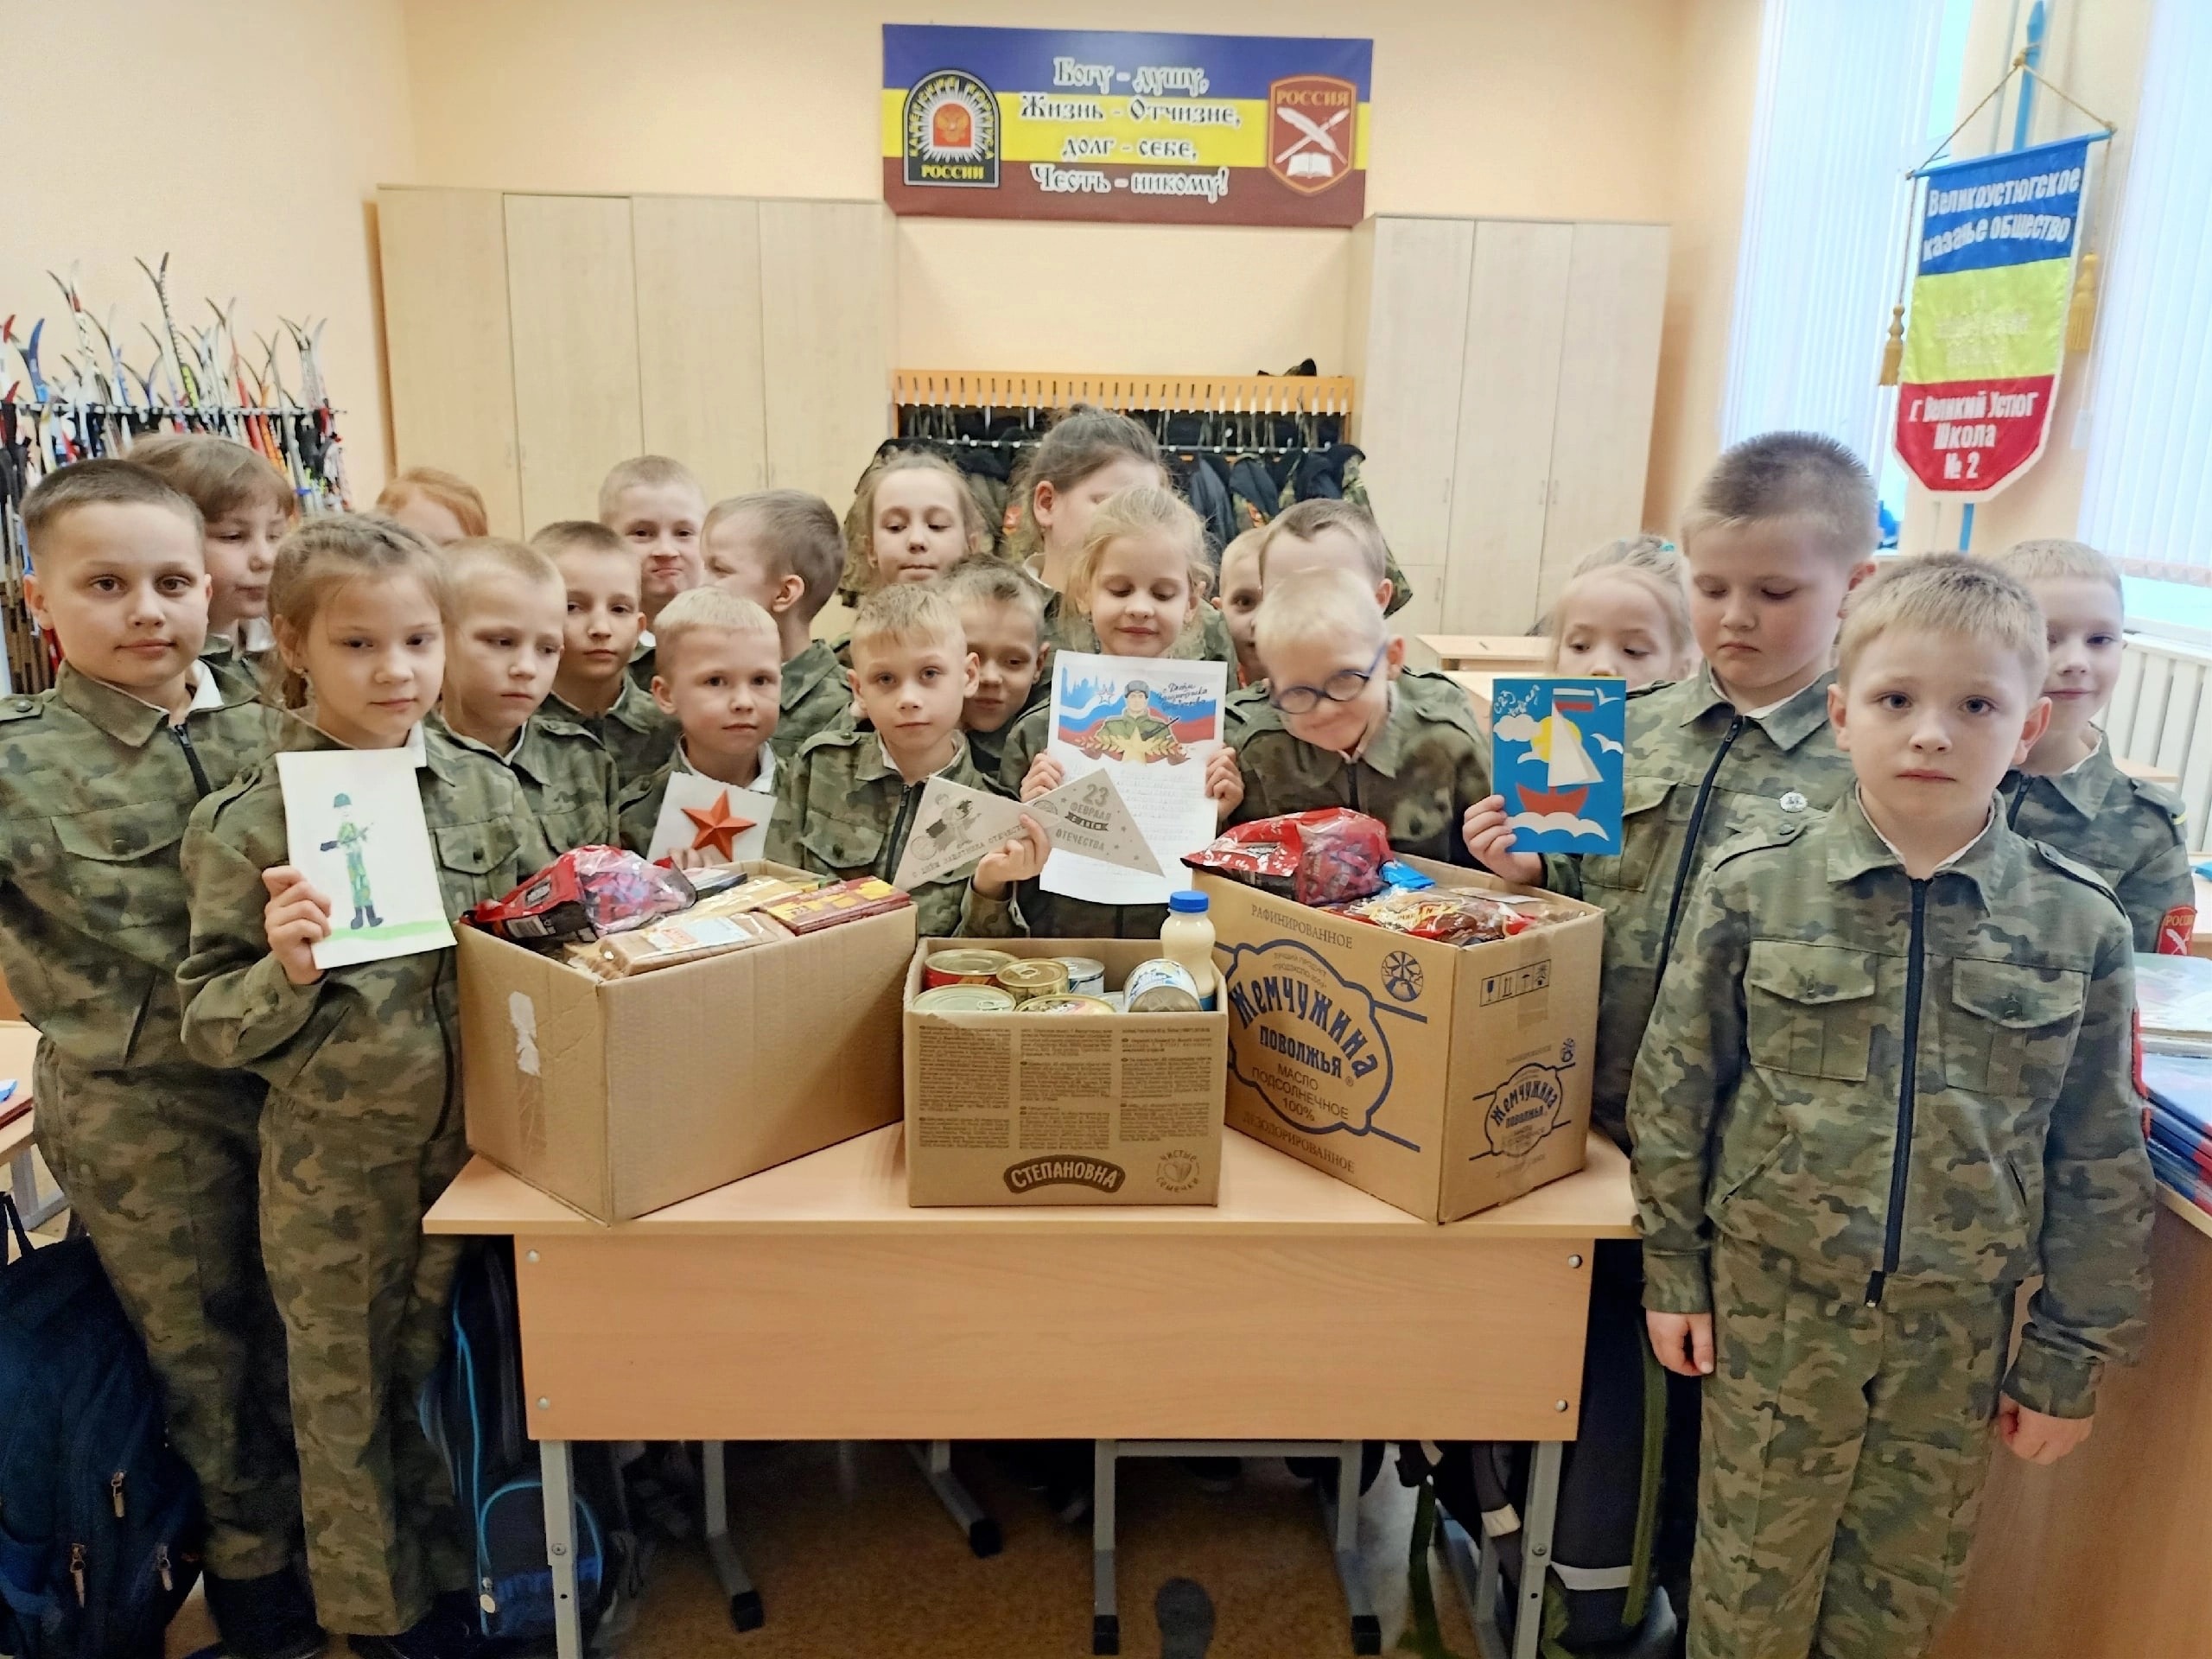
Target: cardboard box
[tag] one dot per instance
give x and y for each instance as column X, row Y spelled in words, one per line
column 1023, row 1108
column 1443, row 1079
column 620, row 1097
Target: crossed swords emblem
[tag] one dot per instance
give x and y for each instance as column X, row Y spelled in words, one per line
column 1314, row 134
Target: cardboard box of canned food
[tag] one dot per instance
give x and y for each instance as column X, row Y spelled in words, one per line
column 1079, row 1106
column 619, row 1097
column 1442, row 1078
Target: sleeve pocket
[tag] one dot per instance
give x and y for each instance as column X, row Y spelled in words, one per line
column 1809, row 1009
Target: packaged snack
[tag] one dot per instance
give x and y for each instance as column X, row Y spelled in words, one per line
column 583, row 894
column 1449, row 915
column 756, row 892
column 1326, row 856
column 845, row 901
column 688, row 938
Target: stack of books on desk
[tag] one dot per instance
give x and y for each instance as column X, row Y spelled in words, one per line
column 2177, row 1122
column 2174, row 997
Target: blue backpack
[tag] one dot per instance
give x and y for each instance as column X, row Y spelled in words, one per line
column 472, row 1408
column 99, row 1518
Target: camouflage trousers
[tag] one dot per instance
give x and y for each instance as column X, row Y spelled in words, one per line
column 343, row 1185
column 159, row 1163
column 1845, row 1448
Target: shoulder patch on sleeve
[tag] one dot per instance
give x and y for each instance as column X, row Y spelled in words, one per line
column 20, row 707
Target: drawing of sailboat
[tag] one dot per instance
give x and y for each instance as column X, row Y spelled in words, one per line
column 1568, row 770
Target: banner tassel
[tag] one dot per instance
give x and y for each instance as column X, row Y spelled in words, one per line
column 1893, row 353
column 2081, row 313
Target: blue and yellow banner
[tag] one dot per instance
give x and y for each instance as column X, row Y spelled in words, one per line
column 1987, row 336
column 1179, row 129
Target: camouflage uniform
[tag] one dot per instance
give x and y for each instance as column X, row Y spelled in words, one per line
column 2125, row 829
column 1870, row 1107
column 1699, row 772
column 633, row 731
column 644, row 661
column 1420, row 774
column 362, row 1130
column 816, row 694
column 989, row 748
column 156, row 1152
column 564, row 774
column 842, row 810
column 642, row 801
column 238, row 673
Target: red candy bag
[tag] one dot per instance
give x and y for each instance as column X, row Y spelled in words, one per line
column 582, row 895
column 1326, row 856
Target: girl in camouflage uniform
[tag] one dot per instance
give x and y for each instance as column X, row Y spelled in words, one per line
column 363, row 1127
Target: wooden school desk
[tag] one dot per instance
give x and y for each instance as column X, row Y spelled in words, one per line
column 810, row 1302
column 1494, row 653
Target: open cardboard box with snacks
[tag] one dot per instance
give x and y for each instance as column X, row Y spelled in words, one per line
column 1031, row 1108
column 1442, row 1078
column 620, row 1095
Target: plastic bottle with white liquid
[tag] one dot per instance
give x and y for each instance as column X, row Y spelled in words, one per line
column 1187, row 937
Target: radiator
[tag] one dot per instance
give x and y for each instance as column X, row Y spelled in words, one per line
column 2158, row 718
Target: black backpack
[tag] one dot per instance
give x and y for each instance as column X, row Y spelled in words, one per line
column 472, row 1410
column 100, row 1521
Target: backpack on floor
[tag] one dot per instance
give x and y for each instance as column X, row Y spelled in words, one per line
column 100, row 1520
column 472, row 1410
column 1599, row 1594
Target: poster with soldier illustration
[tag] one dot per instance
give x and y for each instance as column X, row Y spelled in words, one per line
column 354, row 820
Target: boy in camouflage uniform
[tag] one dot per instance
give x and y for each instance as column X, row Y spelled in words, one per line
column 1344, row 724
column 1888, row 1080
column 846, row 803
column 245, row 505
column 1778, row 532
column 157, row 1153
column 783, row 550
column 364, row 1123
column 1002, row 614
column 719, row 658
column 656, row 506
column 593, row 688
column 2068, row 792
column 506, row 645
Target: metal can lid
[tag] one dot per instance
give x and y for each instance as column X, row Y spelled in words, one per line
column 964, row 999
column 970, row 964
column 1067, row 1002
column 1036, row 975
column 1082, row 967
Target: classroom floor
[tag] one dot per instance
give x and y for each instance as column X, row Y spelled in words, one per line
column 878, row 1569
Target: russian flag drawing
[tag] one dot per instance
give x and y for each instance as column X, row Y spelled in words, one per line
column 1985, row 338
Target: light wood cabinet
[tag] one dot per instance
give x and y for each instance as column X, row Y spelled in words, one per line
column 1508, row 370
column 534, row 339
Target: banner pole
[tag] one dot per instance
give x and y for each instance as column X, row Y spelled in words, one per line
column 1966, row 527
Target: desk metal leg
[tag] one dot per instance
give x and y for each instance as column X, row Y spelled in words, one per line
column 745, row 1612
column 22, row 1180
column 1340, row 1514
column 935, row 1461
column 1105, row 1609
column 555, row 1472
column 1479, row 1581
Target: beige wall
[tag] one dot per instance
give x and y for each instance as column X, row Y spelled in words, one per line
column 2095, row 52
column 1561, row 111
column 242, row 136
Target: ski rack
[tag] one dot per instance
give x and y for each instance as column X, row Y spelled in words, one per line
column 1208, row 394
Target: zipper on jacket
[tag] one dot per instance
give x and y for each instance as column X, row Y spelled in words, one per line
column 1915, row 968
column 161, row 1566
column 77, row 1571
column 2012, row 806
column 902, row 824
column 1689, row 842
column 184, row 736
column 114, row 1493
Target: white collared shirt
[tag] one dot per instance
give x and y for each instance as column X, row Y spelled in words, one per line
column 1941, row 865
column 766, row 783
column 418, row 749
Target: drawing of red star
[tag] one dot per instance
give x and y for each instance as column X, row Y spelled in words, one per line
column 718, row 827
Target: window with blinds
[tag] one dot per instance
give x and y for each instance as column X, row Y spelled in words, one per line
column 2147, row 496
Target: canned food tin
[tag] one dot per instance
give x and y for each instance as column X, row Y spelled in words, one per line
column 1066, row 1003
column 1035, row 976
column 1086, row 976
column 1162, row 986
column 963, row 967
column 964, row 999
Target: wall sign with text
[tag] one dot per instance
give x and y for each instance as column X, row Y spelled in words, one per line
column 1175, row 128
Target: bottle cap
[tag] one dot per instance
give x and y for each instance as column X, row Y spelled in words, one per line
column 1187, row 903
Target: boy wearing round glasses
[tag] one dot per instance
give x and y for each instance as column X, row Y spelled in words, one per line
column 1346, row 723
